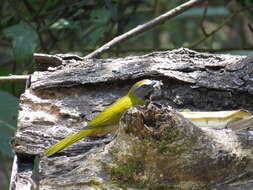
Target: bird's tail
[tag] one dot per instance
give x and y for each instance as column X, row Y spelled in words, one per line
column 68, row 141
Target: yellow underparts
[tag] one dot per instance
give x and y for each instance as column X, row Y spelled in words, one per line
column 102, row 124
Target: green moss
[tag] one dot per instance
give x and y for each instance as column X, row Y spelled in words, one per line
column 138, row 168
column 164, row 144
column 95, row 183
column 131, row 171
column 127, row 172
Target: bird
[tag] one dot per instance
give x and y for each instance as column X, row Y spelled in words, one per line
column 107, row 121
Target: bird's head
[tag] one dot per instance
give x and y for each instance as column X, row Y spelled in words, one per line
column 143, row 89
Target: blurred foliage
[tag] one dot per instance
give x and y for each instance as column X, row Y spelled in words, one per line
column 24, row 39
column 81, row 26
column 248, row 13
column 8, row 120
column 76, row 26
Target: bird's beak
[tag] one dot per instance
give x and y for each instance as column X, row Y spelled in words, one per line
column 157, row 89
column 157, row 84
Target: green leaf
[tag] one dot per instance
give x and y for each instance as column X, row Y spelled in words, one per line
column 98, row 33
column 101, row 16
column 25, row 41
column 61, row 24
column 8, row 121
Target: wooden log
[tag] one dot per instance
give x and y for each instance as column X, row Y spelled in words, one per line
column 61, row 100
column 156, row 148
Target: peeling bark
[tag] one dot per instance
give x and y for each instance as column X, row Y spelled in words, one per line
column 69, row 91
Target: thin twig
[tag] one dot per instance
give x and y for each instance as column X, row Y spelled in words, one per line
column 144, row 27
column 14, row 77
column 203, row 18
column 225, row 22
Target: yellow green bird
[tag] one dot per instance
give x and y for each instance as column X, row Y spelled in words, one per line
column 107, row 121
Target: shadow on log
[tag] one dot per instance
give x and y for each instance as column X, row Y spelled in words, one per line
column 155, row 148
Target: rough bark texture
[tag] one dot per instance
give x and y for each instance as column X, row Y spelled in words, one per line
column 62, row 98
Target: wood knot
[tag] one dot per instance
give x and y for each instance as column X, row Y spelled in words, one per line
column 151, row 120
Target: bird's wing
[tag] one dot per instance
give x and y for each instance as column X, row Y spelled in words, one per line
column 100, row 125
column 68, row 141
column 112, row 114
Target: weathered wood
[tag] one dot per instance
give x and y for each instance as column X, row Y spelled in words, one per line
column 162, row 150
column 22, row 174
column 156, row 148
column 224, row 72
column 62, row 99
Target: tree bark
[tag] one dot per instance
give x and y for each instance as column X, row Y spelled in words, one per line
column 165, row 151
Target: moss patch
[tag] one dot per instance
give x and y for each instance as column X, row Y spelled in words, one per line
column 128, row 172
column 147, row 158
column 164, row 145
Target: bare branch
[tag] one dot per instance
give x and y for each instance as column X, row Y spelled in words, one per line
column 225, row 22
column 203, row 18
column 144, row 27
column 14, row 77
